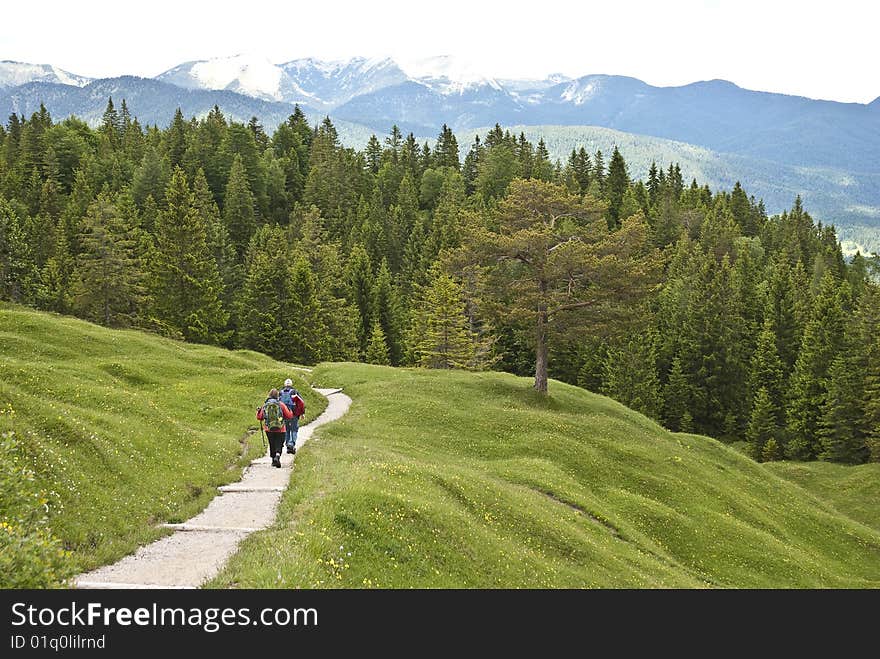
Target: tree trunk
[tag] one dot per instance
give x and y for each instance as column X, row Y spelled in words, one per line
column 541, row 353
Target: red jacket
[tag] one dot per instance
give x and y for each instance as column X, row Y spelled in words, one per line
column 285, row 412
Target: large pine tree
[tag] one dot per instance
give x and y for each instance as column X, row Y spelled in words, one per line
column 630, row 376
column 238, row 208
column 555, row 267
column 617, row 184
column 388, row 313
column 185, row 284
column 439, row 336
column 822, row 342
column 18, row 274
column 360, row 282
column 841, row 431
column 108, row 281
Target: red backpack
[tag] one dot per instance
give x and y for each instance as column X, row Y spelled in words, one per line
column 299, row 405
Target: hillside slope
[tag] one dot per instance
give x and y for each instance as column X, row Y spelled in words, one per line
column 852, row 490
column 451, row 479
column 126, row 429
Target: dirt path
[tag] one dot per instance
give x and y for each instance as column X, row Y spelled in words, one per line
column 201, row 546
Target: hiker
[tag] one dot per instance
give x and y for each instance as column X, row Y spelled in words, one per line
column 273, row 414
column 290, row 397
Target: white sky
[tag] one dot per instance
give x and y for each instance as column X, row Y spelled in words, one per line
column 817, row 49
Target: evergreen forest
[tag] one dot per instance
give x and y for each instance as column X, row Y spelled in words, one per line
column 687, row 304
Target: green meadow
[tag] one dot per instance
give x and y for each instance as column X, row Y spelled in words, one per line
column 852, row 490
column 126, row 430
column 441, row 479
column 433, row 479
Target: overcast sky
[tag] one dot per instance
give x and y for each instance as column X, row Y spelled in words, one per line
column 818, row 49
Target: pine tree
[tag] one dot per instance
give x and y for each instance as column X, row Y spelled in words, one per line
column 470, row 169
column 862, row 355
column 238, row 208
column 446, row 226
column 56, row 277
column 617, row 184
column 18, row 274
column 373, row 154
column 260, row 137
column 667, row 222
column 446, row 150
column 630, row 376
column 307, row 336
column 404, row 220
column 863, row 349
column 555, row 274
column 239, row 142
column 217, row 238
column 498, row 167
column 151, row 178
column 763, row 425
column 821, row 343
column 359, row 279
column 542, row 168
column 677, row 396
column 413, row 264
column 653, row 183
column 263, row 315
column 375, row 228
column 741, row 209
column 857, row 275
column 377, row 350
column 185, row 283
column 766, row 371
column 111, row 126
column 841, row 423
column 599, row 173
column 279, row 201
column 176, row 139
column 81, row 195
column 108, row 281
column 872, row 412
column 387, row 313
column 331, row 185
column 439, row 336
column 394, row 143
column 772, row 451
column 780, row 313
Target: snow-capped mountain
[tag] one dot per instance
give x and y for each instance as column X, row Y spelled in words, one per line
column 251, row 75
column 421, row 95
column 13, row 74
column 329, row 84
column 332, row 83
column 448, row 75
column 526, row 85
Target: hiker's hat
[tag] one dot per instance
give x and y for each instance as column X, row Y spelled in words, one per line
column 288, row 382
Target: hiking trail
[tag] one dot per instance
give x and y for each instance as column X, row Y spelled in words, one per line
column 200, row 547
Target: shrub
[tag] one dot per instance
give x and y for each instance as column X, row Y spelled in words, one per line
column 30, row 556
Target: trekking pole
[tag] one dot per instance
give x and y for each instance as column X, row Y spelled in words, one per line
column 262, row 434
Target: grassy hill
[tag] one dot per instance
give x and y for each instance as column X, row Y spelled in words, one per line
column 854, row 491
column 451, row 479
column 124, row 429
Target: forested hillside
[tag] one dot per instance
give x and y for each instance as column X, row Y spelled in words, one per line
column 686, row 303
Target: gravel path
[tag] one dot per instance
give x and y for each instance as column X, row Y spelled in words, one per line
column 201, row 546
